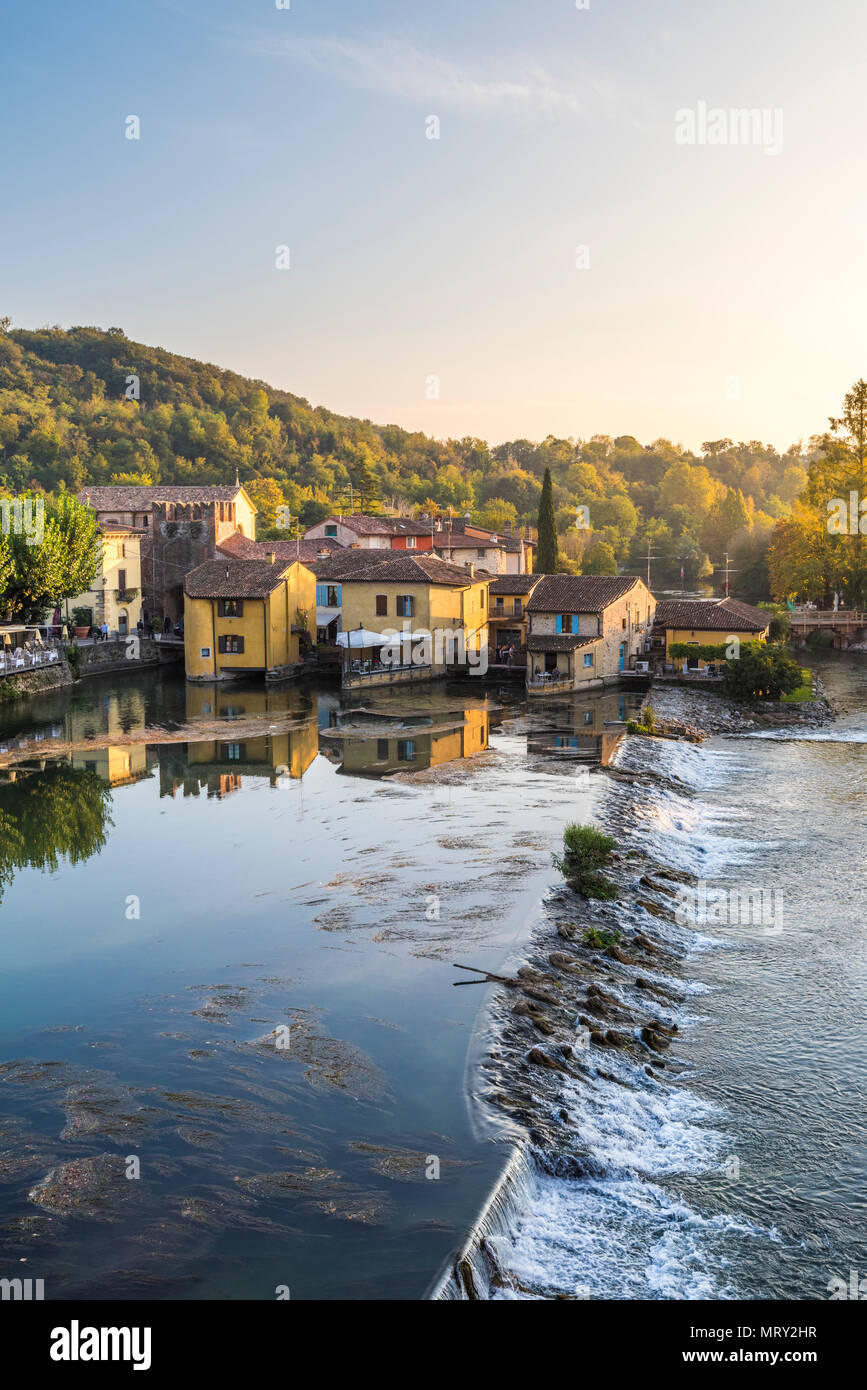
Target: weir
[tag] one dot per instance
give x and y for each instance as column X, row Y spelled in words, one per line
column 475, row 1270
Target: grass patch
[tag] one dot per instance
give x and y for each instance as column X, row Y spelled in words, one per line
column 586, row 851
column 596, row 936
column 804, row 690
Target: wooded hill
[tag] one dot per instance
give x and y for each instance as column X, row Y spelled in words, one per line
column 70, row 415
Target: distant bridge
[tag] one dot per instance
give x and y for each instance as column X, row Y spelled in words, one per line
column 846, row 626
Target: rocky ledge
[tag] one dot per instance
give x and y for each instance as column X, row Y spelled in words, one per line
column 707, row 712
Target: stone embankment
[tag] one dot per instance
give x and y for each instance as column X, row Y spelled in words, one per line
column 706, row 712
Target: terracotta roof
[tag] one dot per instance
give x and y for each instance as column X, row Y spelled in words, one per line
column 234, row 579
column 381, row 525
column 579, row 593
column 747, row 611
column 561, row 642
column 390, row 567
column 710, row 615
column 515, row 583
column 242, row 548
column 139, row 499
column 457, row 540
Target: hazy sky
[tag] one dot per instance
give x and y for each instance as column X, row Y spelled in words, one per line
column 725, row 288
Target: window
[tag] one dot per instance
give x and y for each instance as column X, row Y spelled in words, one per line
column 588, row 716
column 382, row 750
column 623, row 623
column 567, row 622
column 516, row 606
column 405, row 606
column 331, row 531
column 230, row 607
column 382, row 605
column 205, row 651
column 230, row 645
column 481, row 598
column 235, row 752
column 480, row 555
column 405, row 750
column 588, row 658
column 410, row 542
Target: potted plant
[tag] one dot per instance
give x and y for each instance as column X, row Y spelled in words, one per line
column 82, row 621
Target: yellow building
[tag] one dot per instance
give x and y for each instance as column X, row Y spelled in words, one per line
column 704, row 622
column 393, row 593
column 115, row 596
column 247, row 617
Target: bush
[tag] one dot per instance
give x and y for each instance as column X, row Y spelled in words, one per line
column 586, row 850
column 596, row 936
column 761, row 673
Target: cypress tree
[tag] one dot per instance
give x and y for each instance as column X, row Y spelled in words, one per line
column 546, row 545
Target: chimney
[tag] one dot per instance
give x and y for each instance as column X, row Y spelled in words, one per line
column 323, row 554
column 472, row 569
column 271, row 557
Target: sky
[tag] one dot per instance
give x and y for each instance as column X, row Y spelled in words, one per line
column 580, row 251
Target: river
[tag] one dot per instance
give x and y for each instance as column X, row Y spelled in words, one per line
column 236, row 1057
column 233, row 1041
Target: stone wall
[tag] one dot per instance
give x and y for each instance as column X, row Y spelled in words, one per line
column 102, row 657
column 25, row 683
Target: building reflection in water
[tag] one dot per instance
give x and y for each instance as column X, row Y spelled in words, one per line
column 586, row 728
column 371, row 744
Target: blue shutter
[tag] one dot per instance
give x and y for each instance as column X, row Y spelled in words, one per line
column 559, row 622
column 575, row 624
column 320, row 595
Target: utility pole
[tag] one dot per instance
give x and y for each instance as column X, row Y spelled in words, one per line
column 649, row 558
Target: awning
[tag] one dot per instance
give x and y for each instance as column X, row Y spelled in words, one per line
column 361, row 637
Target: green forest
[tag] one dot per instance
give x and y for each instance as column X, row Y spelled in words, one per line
column 87, row 405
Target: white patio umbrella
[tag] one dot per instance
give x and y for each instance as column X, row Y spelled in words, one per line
column 361, row 637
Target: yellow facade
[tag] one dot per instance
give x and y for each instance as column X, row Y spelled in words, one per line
column 264, row 624
column 435, row 606
column 704, row 638
column 115, row 595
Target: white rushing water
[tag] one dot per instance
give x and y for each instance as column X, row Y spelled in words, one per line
column 737, row 1175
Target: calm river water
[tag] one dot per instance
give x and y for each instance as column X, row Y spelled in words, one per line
column 232, row 1041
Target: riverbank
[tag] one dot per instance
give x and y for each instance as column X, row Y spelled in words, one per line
column 709, row 712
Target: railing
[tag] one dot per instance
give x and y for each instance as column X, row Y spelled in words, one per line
column 828, row 617
column 20, row 659
column 548, row 678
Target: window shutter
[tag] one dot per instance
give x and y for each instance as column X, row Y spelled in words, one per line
column 559, row 622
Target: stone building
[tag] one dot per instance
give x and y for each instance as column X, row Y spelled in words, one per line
column 181, row 528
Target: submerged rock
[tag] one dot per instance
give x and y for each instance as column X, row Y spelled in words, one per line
column 97, row 1187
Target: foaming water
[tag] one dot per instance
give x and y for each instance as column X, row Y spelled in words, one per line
column 740, row 1173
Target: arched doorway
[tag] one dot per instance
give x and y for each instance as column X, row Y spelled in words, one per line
column 122, row 623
